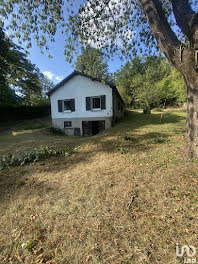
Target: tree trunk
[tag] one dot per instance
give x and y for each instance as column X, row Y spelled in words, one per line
column 182, row 58
column 192, row 118
column 187, row 68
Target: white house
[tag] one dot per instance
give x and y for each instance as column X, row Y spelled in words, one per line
column 83, row 105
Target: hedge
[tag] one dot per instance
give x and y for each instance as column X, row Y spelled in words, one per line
column 23, row 112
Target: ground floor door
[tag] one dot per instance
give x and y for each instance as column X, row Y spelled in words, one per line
column 91, row 128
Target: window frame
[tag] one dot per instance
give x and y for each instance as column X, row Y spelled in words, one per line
column 68, row 121
column 68, row 110
column 92, row 98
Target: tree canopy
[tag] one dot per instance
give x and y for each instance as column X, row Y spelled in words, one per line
column 16, row 70
column 112, row 25
column 92, row 62
column 150, row 82
column 17, row 73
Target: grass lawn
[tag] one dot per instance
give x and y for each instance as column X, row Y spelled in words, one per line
column 17, row 137
column 124, row 196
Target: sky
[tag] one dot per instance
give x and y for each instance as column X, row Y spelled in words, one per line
column 57, row 68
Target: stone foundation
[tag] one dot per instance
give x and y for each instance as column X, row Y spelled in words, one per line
column 77, row 123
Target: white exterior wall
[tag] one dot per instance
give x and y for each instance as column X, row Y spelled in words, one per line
column 80, row 87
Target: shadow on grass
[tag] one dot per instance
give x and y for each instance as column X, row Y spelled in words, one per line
column 137, row 119
column 27, row 124
column 115, row 140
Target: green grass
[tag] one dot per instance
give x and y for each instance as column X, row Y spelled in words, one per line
column 124, row 196
column 20, row 136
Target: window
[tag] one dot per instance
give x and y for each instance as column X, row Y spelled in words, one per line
column 96, row 103
column 67, row 124
column 67, row 105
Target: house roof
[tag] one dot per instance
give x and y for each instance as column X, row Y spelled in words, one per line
column 74, row 73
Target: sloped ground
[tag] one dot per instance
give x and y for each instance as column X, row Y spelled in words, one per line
column 125, row 196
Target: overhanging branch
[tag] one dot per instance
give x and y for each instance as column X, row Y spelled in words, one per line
column 184, row 16
column 166, row 38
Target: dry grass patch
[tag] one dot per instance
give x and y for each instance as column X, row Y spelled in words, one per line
column 125, row 196
column 22, row 136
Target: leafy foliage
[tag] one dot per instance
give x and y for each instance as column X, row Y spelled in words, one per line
column 7, row 95
column 124, row 79
column 150, row 82
column 17, row 73
column 42, row 98
column 92, row 62
column 46, row 84
column 9, row 160
column 111, row 25
column 38, row 100
column 173, row 87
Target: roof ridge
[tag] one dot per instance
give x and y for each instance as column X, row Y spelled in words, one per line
column 75, row 72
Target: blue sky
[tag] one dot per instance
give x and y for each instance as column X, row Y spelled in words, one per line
column 57, row 68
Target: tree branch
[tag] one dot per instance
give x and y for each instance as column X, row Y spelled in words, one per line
column 194, row 30
column 184, row 16
column 166, row 38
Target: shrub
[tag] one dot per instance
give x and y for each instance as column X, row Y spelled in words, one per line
column 57, row 131
column 9, row 160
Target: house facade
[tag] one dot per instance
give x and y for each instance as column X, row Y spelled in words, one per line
column 83, row 106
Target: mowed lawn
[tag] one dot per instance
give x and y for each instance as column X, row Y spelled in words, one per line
column 127, row 195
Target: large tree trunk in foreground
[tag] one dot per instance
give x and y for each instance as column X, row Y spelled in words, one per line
column 187, row 68
column 192, row 117
column 182, row 58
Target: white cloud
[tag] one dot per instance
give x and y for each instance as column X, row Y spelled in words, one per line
column 52, row 76
column 48, row 74
column 58, row 78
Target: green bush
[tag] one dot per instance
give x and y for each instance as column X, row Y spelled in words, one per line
column 57, row 131
column 9, row 160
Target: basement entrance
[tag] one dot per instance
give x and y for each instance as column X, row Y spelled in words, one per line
column 91, row 128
